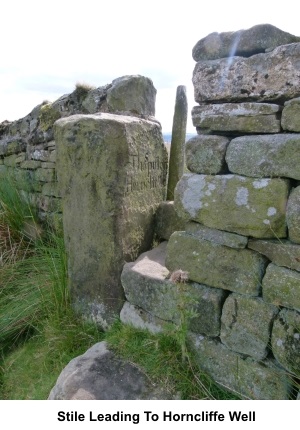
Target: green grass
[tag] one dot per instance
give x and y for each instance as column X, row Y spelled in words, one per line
column 39, row 332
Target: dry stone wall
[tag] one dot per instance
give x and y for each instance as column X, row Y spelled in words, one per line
column 241, row 205
column 27, row 146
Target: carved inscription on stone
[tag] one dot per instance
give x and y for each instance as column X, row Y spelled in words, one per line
column 146, row 172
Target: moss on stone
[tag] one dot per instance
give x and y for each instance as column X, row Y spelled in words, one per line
column 48, row 116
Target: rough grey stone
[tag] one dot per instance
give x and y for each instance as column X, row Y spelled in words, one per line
column 30, row 164
column 247, row 206
column 138, row 318
column 176, row 163
column 281, row 287
column 246, row 325
column 237, row 118
column 242, row 43
column 265, row 155
column 293, row 215
column 271, row 77
column 206, row 154
column 245, row 377
column 112, row 174
column 167, row 221
column 290, row 119
column 280, row 252
column 286, row 340
column 217, row 236
column 146, row 286
column 135, row 94
column 239, row 270
column 99, row 374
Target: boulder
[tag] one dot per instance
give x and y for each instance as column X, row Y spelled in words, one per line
column 112, row 176
column 281, row 287
column 246, row 325
column 237, row 118
column 206, row 154
column 247, row 206
column 99, row 374
column 265, row 155
column 286, row 340
column 290, row 120
column 239, row 270
column 270, row 77
column 243, row 43
column 134, row 94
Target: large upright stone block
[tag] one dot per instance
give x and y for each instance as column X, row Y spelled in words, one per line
column 272, row 77
column 112, row 172
column 248, row 206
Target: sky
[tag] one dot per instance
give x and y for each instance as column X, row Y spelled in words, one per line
column 49, row 46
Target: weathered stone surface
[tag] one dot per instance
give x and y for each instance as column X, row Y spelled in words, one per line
column 293, row 215
column 237, row 118
column 243, row 43
column 112, row 174
column 176, row 164
column 271, row 77
column 286, row 340
column 217, row 236
column 167, row 221
column 51, row 189
column 246, row 325
column 133, row 93
column 9, row 146
column 239, row 270
column 206, row 154
column 265, row 156
column 290, row 119
column 30, row 164
column 247, row 378
column 45, row 175
column 146, row 286
column 99, row 375
column 281, row 287
column 280, row 252
column 138, row 318
column 248, row 206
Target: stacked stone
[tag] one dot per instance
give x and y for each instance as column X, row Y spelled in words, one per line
column 242, row 204
column 28, row 148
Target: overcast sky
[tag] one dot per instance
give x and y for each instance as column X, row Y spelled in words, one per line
column 48, row 46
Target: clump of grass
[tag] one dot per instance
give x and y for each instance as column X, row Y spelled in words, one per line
column 160, row 356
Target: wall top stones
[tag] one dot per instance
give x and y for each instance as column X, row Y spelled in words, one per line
column 243, row 43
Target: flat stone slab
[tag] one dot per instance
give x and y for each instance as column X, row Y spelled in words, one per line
column 270, row 77
column 248, row 206
column 265, row 155
column 280, row 252
column 206, row 154
column 217, row 236
column 246, row 325
column 246, row 377
column 237, row 118
column 99, row 374
column 243, row 43
column 286, row 340
column 290, row 119
column 147, row 287
column 239, row 270
column 281, row 287
column 293, row 215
